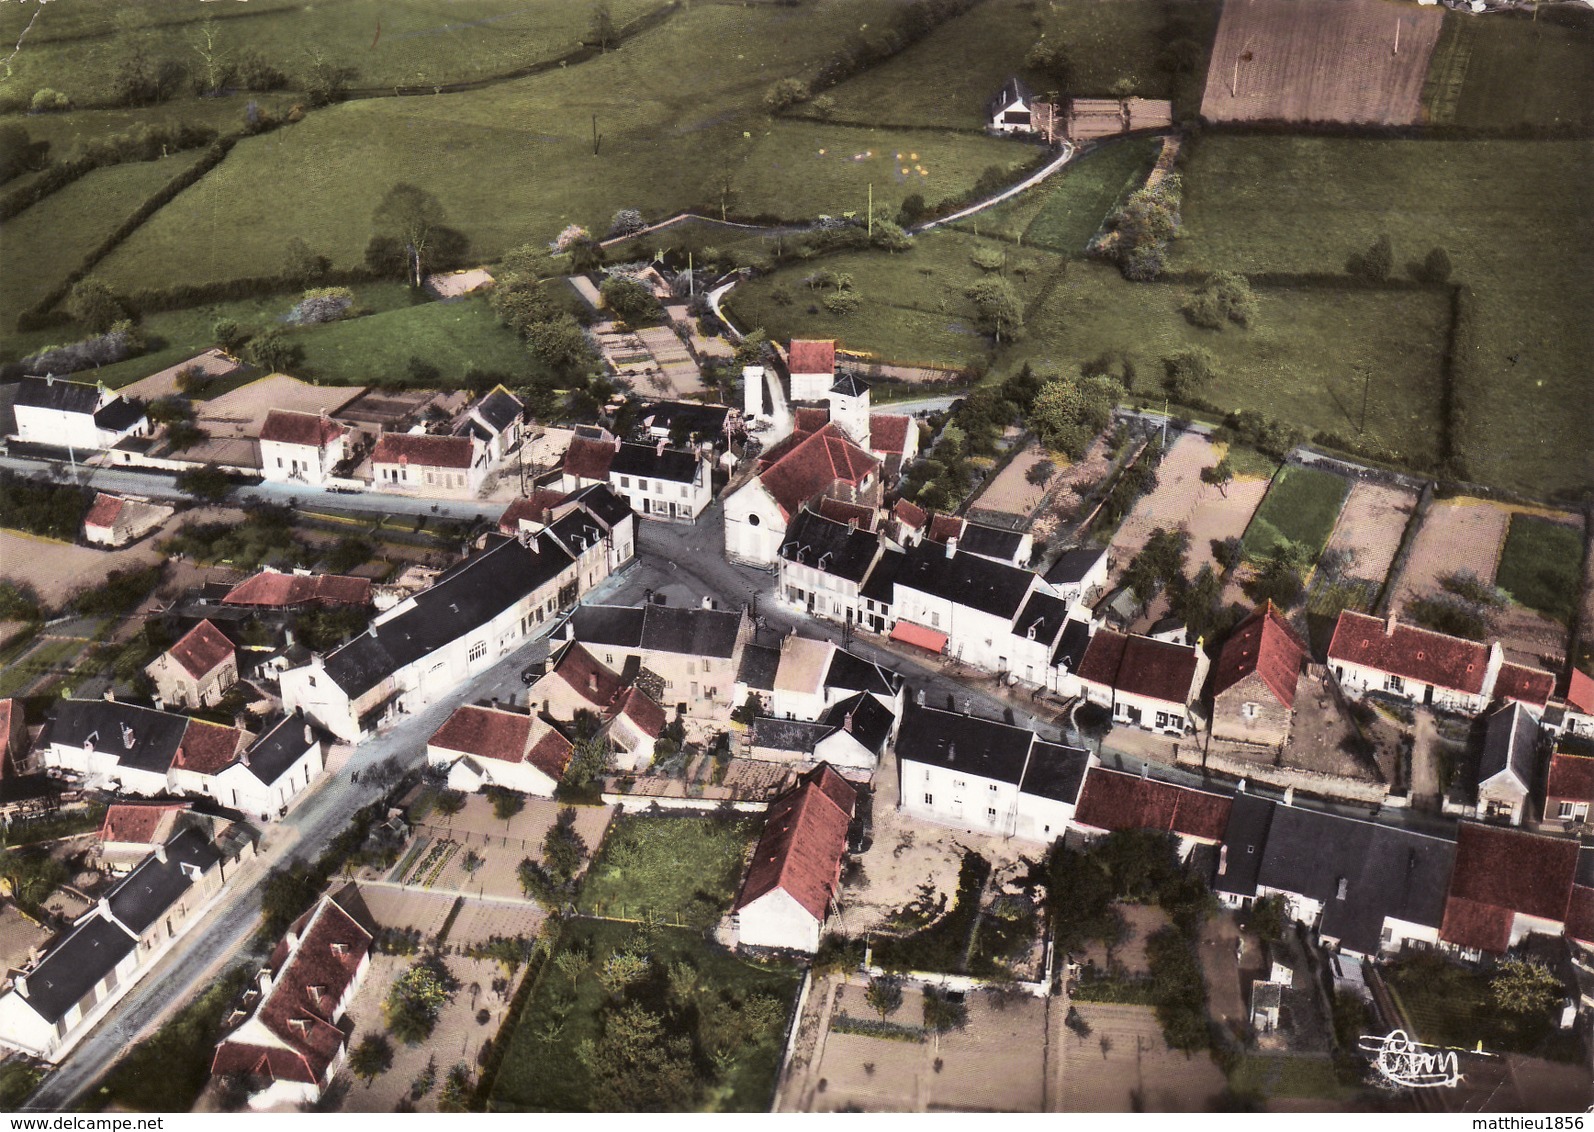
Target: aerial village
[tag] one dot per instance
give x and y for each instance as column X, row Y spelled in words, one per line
column 724, row 719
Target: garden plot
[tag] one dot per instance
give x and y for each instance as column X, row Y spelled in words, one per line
column 214, row 364
column 475, row 853
column 1370, row 529
column 1124, row 1065
column 1143, row 921
column 1180, row 499
column 1013, row 491
column 1456, row 535
column 1302, row 506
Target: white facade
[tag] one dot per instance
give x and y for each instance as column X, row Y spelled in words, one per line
column 973, row 636
column 664, row 499
column 755, row 525
column 963, row 800
column 776, row 919
column 1356, row 680
column 281, row 461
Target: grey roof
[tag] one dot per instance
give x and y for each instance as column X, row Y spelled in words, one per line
column 463, row 598
column 646, row 460
column 280, row 747
column 1012, row 91
column 759, row 665
column 849, row 384
column 838, row 549
column 963, row 742
column 850, row 671
column 1382, row 870
column 1042, row 617
column 990, row 542
column 966, row 579
column 604, row 503
column 1510, row 741
column 576, row 531
column 1585, row 867
column 881, row 584
column 499, row 409
column 118, row 415
column 691, row 631
column 1055, row 771
column 870, row 720
column 473, row 427
column 688, row 415
column 1240, row 857
column 155, row 885
column 1072, row 565
column 797, row 735
column 1072, row 644
column 89, row 952
column 617, row 625
column 155, row 735
column 58, row 394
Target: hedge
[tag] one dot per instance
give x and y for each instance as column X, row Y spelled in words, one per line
column 876, row 1028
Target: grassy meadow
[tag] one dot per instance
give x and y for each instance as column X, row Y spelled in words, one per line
column 1541, row 566
column 1301, row 505
column 1512, row 72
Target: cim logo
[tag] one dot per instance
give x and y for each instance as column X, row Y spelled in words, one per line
column 1411, row 1065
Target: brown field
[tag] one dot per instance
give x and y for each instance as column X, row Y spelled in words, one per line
column 1182, row 500
column 1370, row 528
column 1456, row 534
column 1010, row 492
column 1299, row 61
column 1144, row 920
column 213, row 363
column 241, row 412
column 1529, row 637
column 1125, row 1060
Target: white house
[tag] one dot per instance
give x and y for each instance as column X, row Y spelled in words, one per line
column 74, row 414
column 452, row 467
column 791, row 881
column 1145, row 683
column 491, row 746
column 974, row 603
column 116, row 520
column 806, row 466
column 1079, row 575
column 823, row 564
column 301, row 447
column 496, row 422
column 1507, row 764
column 659, row 482
column 1011, row 109
column 850, row 736
column 812, row 365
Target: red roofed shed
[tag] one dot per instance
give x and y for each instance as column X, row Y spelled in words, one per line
column 1112, row 801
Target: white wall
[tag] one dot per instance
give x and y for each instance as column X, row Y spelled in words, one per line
column 974, row 636
column 756, row 542
column 303, row 463
column 777, row 920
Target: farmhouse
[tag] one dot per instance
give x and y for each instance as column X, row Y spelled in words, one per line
column 451, row 466
column 1009, row 110
column 54, row 1002
column 116, row 520
column 196, row 671
column 971, row 773
column 786, row 895
column 1113, row 801
column 295, row 1039
column 631, row 720
column 74, row 414
column 301, row 447
column 1145, row 683
column 806, row 466
column 1506, row 884
column 996, row 543
column 1254, row 686
column 659, row 482
column 489, row 746
column 495, row 422
column 1569, row 790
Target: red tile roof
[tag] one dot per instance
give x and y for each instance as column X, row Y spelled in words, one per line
column 910, row 514
column 804, row 838
column 839, row 511
column 208, row 748
column 139, row 825
column 813, row 466
column 807, row 419
column 809, row 356
column 1140, row 666
column 271, row 589
column 1500, row 872
column 312, row 430
column 424, row 451
column 1580, row 915
column 532, row 508
column 1113, row 801
column 1263, row 644
column 640, row 709
column 944, row 527
column 1416, row 654
column 888, row 432
column 201, row 649
column 589, row 459
column 551, row 754
column 1530, row 685
column 484, row 732
column 1580, row 692
column 587, row 676
column 104, row 511
column 1571, row 777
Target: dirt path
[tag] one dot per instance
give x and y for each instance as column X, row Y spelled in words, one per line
column 1425, row 763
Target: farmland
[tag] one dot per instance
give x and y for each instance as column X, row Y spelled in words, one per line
column 1514, row 72
column 455, row 337
column 1301, row 506
column 1541, row 564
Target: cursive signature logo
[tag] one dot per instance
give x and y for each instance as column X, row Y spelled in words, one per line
column 1409, row 1064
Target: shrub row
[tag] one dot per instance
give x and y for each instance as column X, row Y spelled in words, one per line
column 145, row 143
column 492, row 1061
column 877, row 1028
column 1107, row 988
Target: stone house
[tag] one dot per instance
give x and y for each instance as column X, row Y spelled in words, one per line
column 1254, row 682
column 195, row 672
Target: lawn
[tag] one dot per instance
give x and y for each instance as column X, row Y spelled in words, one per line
column 1305, row 204
column 683, row 868
column 1450, row 1005
column 456, row 337
column 542, row 1070
column 1301, row 505
column 1287, row 1076
column 52, row 656
column 1514, row 73
column 945, row 79
column 1541, row 566
column 1063, row 212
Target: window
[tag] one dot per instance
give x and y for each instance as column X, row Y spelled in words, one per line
column 642, row 484
column 929, row 799
column 957, row 784
column 684, row 491
column 1248, row 710
column 935, row 620
column 990, row 813
column 279, row 461
column 1393, row 683
column 310, row 680
column 625, row 481
column 691, row 668
column 478, row 650
column 752, row 520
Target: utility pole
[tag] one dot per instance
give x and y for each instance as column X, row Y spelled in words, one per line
column 691, row 280
column 1165, row 424
column 1367, row 379
column 871, row 210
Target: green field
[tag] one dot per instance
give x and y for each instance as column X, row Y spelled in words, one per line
column 455, row 337
column 1288, row 1076
column 1301, row 505
column 543, row 1072
column 1305, row 204
column 51, row 238
column 1541, row 566
column 1063, row 212
column 946, row 79
column 1513, row 72
column 686, row 867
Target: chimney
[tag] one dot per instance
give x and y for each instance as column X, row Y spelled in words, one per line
column 110, row 695
column 1239, row 787
column 1289, row 795
column 127, row 737
column 617, row 443
column 708, row 602
column 663, row 444
column 951, row 546
column 1389, row 625
column 309, row 735
column 160, row 853
column 918, row 697
column 287, row 637
column 1223, row 860
column 1145, row 771
column 20, row 982
column 846, row 724
column 592, row 681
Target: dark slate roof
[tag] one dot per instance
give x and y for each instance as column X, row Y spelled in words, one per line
column 156, row 734
column 797, row 735
column 990, row 542
column 1044, row 614
column 1585, row 867
column 963, row 742
column 606, row 505
column 871, row 722
column 1013, row 90
column 691, row 632
column 280, row 747
column 616, row 625
column 92, row 949
column 880, row 585
column 576, row 531
column 688, row 415
column 1244, row 841
column 966, row 579
column 499, row 409
column 759, row 664
column 850, row 671
column 1386, row 871
column 646, row 460
column 118, row 415
column 1055, row 772
column 1071, row 646
column 850, row 384
column 845, row 551
column 156, row 885
column 1510, row 739
column 58, row 394
column 1072, row 565
column 465, row 597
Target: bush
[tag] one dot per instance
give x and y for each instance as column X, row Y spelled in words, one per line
column 626, row 222
column 1224, row 297
column 321, row 304
column 785, row 94
column 417, row 998
column 1375, row 263
column 1187, row 373
column 46, row 100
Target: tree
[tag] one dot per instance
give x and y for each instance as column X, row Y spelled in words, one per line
column 1158, row 563
column 215, row 69
column 1196, row 602
column 1219, row 475
column 454, row 1096
column 1522, row 986
column 631, row 300
column 324, row 79
column 600, row 26
column 1048, row 60
column 412, row 216
column 1375, row 263
column 621, row 970
column 371, row 1058
column 208, row 484
column 589, row 762
column 1435, row 267
column 626, row 221
column 997, row 311
column 273, row 351
column 1145, row 225
column 1280, row 576
column 563, row 849
column 942, row 1013
column 450, row 802
column 1187, row 373
column 506, row 803
column 888, row 234
column 1069, row 412
column 586, row 254
column 416, row 999
column 911, row 210
column 19, row 153
column 1225, row 296
column 301, row 265
column 636, row 1066
column 47, row 101
column 1267, row 918
column 884, row 995
column 31, row 875
column 572, row 965
column 94, row 305
column 784, row 94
